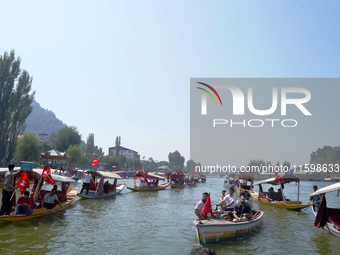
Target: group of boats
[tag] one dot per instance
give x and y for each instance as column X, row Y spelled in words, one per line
column 217, row 228
column 98, row 188
column 214, row 229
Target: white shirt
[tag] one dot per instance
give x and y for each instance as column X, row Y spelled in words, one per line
column 87, row 178
column 50, row 199
column 229, row 199
column 200, row 206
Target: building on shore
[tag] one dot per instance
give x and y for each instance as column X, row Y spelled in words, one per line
column 128, row 153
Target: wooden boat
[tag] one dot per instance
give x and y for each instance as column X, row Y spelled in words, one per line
column 97, row 185
column 65, row 198
column 260, row 196
column 219, row 229
column 243, row 182
column 331, row 214
column 149, row 182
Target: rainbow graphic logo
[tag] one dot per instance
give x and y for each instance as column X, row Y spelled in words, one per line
column 212, row 89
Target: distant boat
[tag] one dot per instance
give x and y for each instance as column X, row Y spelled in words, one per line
column 149, row 182
column 261, row 197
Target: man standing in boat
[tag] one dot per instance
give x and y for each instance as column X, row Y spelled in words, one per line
column 7, row 191
column 315, row 199
column 200, row 205
column 86, row 183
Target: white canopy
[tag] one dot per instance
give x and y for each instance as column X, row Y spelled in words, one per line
column 326, row 189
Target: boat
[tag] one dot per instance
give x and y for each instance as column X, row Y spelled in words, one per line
column 260, row 196
column 228, row 182
column 97, row 185
column 177, row 179
column 191, row 185
column 219, row 229
column 65, row 197
column 243, row 182
column 327, row 217
column 149, row 182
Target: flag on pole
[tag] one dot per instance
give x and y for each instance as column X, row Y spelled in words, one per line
column 206, row 211
column 47, row 174
column 94, row 162
column 23, row 183
column 183, row 172
column 279, row 177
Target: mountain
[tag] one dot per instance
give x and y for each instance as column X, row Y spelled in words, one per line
column 42, row 121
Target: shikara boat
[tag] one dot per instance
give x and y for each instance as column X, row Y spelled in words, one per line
column 191, row 185
column 261, row 198
column 327, row 217
column 177, row 186
column 65, row 197
column 148, row 182
column 97, row 185
column 243, row 182
column 220, row 229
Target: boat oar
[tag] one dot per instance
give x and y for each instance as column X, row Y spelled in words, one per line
column 297, row 213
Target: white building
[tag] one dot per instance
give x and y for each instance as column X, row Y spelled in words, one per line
column 128, row 153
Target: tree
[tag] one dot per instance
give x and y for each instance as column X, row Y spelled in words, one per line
column 28, row 148
column 64, row 138
column 89, row 148
column 117, row 148
column 191, row 165
column 175, row 159
column 15, row 102
column 75, row 154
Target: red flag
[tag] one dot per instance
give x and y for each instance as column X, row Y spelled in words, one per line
column 23, row 183
column 94, row 162
column 178, row 174
column 141, row 170
column 72, row 168
column 279, row 177
column 47, row 174
column 183, row 172
column 206, row 211
column 192, row 172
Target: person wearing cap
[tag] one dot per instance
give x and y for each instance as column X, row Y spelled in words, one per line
column 49, row 198
column 271, row 194
column 24, row 204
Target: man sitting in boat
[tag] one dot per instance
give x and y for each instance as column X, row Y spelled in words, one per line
column 248, row 199
column 278, row 195
column 242, row 210
column 271, row 194
column 49, row 198
column 24, row 205
column 231, row 201
column 200, row 205
column 315, row 199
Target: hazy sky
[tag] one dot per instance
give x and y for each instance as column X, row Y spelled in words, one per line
column 123, row 68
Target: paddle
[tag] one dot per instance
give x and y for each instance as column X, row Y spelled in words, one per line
column 297, row 213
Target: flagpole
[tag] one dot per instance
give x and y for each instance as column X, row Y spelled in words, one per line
column 12, row 195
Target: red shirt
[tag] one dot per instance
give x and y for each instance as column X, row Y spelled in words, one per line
column 28, row 201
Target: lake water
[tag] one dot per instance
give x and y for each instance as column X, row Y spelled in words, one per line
column 161, row 223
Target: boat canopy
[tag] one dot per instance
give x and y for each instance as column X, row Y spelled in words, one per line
column 330, row 188
column 140, row 175
column 287, row 179
column 244, row 176
column 109, row 175
column 55, row 177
